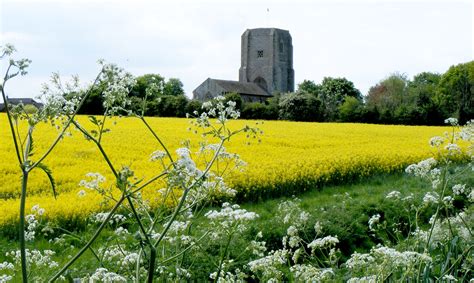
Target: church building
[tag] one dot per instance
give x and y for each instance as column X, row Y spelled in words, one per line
column 266, row 68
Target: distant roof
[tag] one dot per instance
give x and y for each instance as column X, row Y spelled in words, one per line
column 242, row 88
column 25, row 100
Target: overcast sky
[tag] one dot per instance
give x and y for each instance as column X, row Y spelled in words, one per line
column 363, row 41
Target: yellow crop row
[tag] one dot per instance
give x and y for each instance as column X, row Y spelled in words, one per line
column 291, row 157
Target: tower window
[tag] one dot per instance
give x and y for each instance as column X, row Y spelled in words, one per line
column 259, row 53
column 280, row 46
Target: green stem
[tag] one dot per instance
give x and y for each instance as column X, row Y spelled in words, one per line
column 66, row 126
column 224, row 255
column 24, row 184
column 9, row 115
column 22, row 226
column 157, row 138
column 151, row 266
column 91, row 241
column 185, row 193
column 440, row 200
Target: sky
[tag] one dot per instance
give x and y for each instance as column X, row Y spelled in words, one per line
column 363, row 41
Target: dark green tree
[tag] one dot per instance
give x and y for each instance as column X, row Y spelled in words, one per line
column 308, row 86
column 351, row 110
column 145, row 82
column 387, row 96
column 333, row 92
column 423, row 106
column 300, row 107
column 174, row 87
column 455, row 92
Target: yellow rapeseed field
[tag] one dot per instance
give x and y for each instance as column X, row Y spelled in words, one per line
column 291, row 157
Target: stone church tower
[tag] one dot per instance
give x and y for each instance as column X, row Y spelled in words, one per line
column 267, row 59
column 266, row 68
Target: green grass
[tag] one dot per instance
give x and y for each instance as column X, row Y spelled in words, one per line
column 343, row 210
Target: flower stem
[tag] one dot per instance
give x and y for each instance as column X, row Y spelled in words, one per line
column 91, row 241
column 21, row 229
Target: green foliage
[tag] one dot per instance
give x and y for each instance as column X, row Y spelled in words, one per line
column 310, row 87
column 456, row 92
column 333, row 92
column 233, row 96
column 193, row 105
column 173, row 87
column 144, row 82
column 351, row 110
column 168, row 106
column 299, row 107
column 254, row 110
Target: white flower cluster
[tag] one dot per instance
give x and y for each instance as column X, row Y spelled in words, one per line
column 119, row 257
column 394, row 195
column 5, row 278
column 309, row 273
column 118, row 85
column 35, row 258
column 382, row 258
column 177, row 231
column 467, row 132
column 5, row 268
column 228, row 277
column 451, row 121
column 431, row 197
column 294, row 239
column 365, row 279
column 59, row 99
column 185, row 170
column 422, row 168
column 269, row 266
column 95, row 179
column 102, row 216
column 157, row 155
column 322, row 243
column 32, row 222
column 229, row 219
column 291, row 212
column 215, row 108
column 258, row 248
column 103, row 275
column 373, row 221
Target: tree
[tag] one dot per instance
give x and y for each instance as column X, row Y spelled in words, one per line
column 308, row 86
column 299, row 107
column 145, row 82
column 455, row 92
column 168, row 106
column 388, row 95
column 422, row 96
column 193, row 105
column 351, row 110
column 333, row 92
column 173, row 87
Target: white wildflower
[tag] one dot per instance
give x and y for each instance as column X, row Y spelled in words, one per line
column 431, row 197
column 157, row 155
column 451, row 121
column 394, row 195
column 326, row 242
column 375, row 219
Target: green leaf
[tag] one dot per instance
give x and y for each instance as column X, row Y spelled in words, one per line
column 94, row 120
column 49, row 173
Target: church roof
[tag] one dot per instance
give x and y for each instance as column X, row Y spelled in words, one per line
column 25, row 101
column 242, row 87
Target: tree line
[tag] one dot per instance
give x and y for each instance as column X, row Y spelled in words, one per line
column 427, row 99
